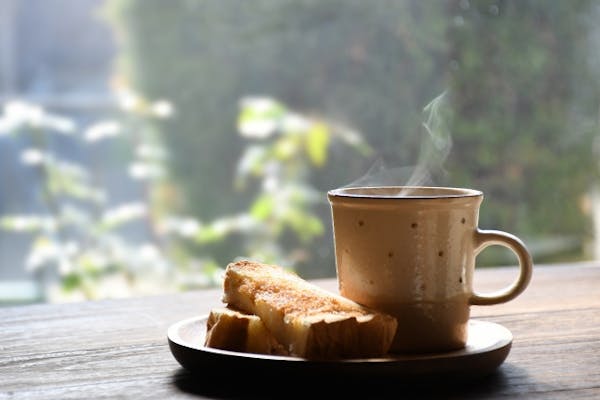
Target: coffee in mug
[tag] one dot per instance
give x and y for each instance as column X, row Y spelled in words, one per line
column 410, row 251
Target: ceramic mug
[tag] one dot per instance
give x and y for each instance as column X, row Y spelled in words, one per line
column 410, row 251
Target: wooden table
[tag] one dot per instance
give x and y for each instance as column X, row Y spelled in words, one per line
column 118, row 348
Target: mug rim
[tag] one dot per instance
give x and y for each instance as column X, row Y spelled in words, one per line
column 431, row 192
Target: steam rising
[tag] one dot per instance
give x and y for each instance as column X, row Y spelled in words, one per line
column 436, row 144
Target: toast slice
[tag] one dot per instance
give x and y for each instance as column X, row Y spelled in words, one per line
column 229, row 329
column 307, row 320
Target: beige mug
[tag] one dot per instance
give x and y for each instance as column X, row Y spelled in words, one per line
column 410, row 251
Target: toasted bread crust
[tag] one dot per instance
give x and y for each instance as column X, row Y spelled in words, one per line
column 307, row 320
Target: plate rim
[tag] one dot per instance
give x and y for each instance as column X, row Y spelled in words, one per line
column 502, row 345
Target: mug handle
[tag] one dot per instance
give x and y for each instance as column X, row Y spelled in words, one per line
column 485, row 238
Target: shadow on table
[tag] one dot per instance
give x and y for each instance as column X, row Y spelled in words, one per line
column 260, row 384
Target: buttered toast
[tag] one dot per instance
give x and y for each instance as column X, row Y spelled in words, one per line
column 305, row 319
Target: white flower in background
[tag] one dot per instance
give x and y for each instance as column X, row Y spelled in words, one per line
column 183, row 226
column 124, row 213
column 99, row 259
column 101, row 130
column 271, row 181
column 257, row 128
column 189, row 227
column 48, row 251
column 20, row 114
column 148, row 253
column 42, row 253
column 351, row 137
column 132, row 102
column 15, row 114
column 65, row 266
column 150, row 260
column 245, row 222
column 147, row 151
column 252, row 160
column 57, row 123
column 295, row 123
column 260, row 104
column 235, row 223
column 128, row 100
column 33, row 157
column 6, row 126
column 222, row 226
column 142, row 170
column 260, row 117
column 162, row 109
column 28, row 223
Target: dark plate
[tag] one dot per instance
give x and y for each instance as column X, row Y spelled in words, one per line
column 487, row 347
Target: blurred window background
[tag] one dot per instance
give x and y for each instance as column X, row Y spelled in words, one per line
column 146, row 144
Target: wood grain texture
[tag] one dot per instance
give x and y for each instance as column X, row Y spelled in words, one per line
column 117, row 349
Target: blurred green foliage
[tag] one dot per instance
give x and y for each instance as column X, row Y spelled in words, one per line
column 79, row 249
column 520, row 87
column 525, row 95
